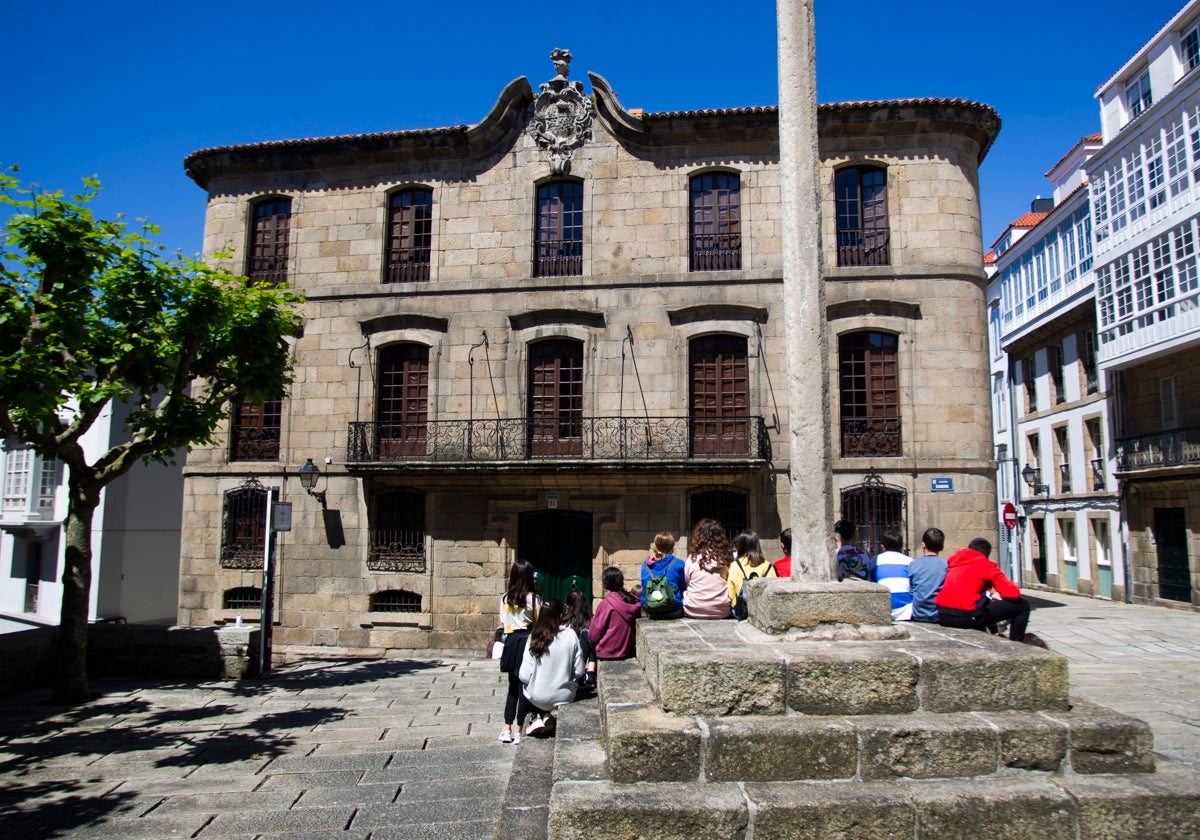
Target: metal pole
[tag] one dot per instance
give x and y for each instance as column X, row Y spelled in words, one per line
column 267, row 618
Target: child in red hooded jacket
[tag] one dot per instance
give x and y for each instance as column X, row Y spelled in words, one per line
column 966, row 598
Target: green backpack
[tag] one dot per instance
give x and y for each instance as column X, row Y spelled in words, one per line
column 660, row 596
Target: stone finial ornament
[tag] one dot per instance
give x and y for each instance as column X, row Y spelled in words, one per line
column 561, row 116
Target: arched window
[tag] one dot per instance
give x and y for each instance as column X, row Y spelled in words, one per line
column 716, row 222
column 396, row 600
column 244, row 533
column 558, row 249
column 397, row 541
column 410, row 235
column 268, row 251
column 862, row 220
column 869, row 394
column 402, row 405
column 719, row 396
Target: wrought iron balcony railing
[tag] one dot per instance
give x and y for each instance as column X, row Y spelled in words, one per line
column 867, row 436
column 1176, row 448
column 863, row 246
column 682, row 439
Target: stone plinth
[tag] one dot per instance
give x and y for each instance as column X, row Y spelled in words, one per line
column 825, row 609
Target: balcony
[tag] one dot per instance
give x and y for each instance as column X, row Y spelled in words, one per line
column 538, row 440
column 863, row 246
column 1177, row 448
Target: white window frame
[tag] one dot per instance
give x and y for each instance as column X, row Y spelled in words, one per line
column 18, row 476
column 1138, row 97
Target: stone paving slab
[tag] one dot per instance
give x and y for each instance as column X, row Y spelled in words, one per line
column 62, row 770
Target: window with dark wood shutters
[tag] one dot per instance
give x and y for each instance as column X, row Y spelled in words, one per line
column 720, row 396
column 255, row 433
column 868, row 379
column 862, row 221
column 244, row 528
column 556, row 398
column 716, row 222
column 403, row 403
column 269, row 241
column 410, row 235
column 559, row 245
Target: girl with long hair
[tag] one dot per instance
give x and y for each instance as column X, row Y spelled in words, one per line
column 612, row 628
column 748, row 563
column 578, row 617
column 552, row 664
column 706, row 572
column 518, row 607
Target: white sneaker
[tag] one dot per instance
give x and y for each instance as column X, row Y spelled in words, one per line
column 516, row 739
column 534, row 725
column 506, row 736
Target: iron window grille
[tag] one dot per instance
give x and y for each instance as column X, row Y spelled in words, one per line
column 729, row 507
column 242, row 598
column 396, row 601
column 255, row 432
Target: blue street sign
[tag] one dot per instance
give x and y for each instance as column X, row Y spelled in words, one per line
column 942, row 484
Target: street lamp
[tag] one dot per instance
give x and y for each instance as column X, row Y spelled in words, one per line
column 309, row 473
column 1030, row 475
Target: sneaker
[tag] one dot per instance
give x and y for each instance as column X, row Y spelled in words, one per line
column 516, row 738
column 506, row 736
column 534, row 725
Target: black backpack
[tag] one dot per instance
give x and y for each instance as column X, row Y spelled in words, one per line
column 741, row 610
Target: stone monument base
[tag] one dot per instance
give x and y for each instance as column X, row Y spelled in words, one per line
column 716, row 732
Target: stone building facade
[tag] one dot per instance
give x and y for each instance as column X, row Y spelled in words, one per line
column 557, row 332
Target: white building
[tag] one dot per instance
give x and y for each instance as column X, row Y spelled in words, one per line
column 135, row 537
column 1145, row 194
column 1049, row 402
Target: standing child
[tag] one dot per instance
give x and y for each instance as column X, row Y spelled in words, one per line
column 611, row 630
column 518, row 607
column 706, row 572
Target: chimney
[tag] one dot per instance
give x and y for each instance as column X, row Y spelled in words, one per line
column 1041, row 205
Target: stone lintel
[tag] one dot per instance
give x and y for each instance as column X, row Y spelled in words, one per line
column 777, row 606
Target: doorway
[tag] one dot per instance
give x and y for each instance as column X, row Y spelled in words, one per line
column 559, row 545
column 1170, row 539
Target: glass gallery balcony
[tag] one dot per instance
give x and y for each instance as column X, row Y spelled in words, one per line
column 574, row 438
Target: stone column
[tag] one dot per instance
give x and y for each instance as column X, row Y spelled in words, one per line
column 809, row 406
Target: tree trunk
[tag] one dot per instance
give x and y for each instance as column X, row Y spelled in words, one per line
column 70, row 685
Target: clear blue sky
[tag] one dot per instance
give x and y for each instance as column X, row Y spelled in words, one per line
column 126, row 90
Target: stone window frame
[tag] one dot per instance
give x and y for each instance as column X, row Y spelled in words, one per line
column 861, row 244
column 268, row 242
column 401, row 549
column 554, row 255
column 409, row 270
column 255, row 431
column 869, row 427
column 726, row 254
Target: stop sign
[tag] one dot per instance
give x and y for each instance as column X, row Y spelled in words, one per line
column 1010, row 515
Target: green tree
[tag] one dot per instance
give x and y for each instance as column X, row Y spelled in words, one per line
column 91, row 312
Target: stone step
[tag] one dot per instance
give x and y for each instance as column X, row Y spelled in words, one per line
column 732, row 668
column 643, row 743
column 1154, row 806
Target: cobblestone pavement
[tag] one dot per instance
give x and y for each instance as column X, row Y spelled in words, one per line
column 393, row 750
